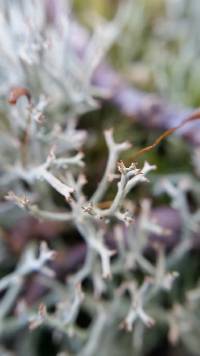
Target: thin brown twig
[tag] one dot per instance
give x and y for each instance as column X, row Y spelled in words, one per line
column 193, row 117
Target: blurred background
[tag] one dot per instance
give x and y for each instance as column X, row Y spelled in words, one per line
column 145, row 75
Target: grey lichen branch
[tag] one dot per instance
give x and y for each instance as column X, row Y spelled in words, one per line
column 113, row 155
column 130, row 177
column 64, row 316
column 30, row 263
column 136, row 310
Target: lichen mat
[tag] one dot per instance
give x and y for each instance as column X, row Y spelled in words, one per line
column 17, row 92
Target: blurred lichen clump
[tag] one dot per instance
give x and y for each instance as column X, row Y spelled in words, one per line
column 156, row 50
column 160, row 50
column 95, row 261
